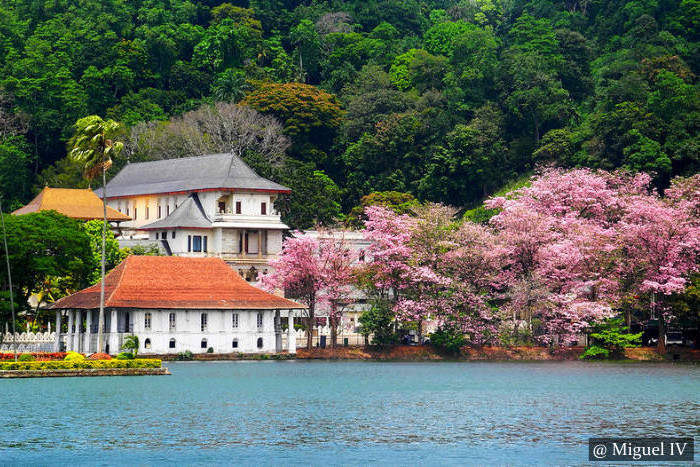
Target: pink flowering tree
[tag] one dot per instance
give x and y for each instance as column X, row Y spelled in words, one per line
column 298, row 272
column 315, row 271
column 579, row 244
column 659, row 248
column 558, row 235
column 337, row 263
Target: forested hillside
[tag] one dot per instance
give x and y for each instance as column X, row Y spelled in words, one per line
column 445, row 100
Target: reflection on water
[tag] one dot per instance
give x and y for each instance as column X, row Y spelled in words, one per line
column 347, row 412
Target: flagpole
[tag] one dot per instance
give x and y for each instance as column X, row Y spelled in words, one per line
column 9, row 279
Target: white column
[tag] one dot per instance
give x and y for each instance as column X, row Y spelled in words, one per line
column 57, row 344
column 113, row 336
column 291, row 334
column 71, row 323
column 88, row 332
column 77, row 318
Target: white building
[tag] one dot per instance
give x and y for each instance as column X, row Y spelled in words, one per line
column 212, row 205
column 176, row 304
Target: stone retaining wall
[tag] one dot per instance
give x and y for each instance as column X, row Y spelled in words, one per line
column 83, row 372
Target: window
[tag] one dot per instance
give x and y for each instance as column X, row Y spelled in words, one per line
column 196, row 243
column 147, row 344
column 204, row 321
column 263, row 208
column 234, row 344
column 222, row 207
column 167, row 210
column 158, row 211
column 235, row 320
column 164, row 235
column 204, row 246
column 135, row 214
column 173, row 234
column 147, row 321
column 147, row 211
column 260, row 342
column 189, row 243
column 260, row 320
column 156, row 235
column 172, row 321
column 361, row 257
column 127, row 211
column 203, row 344
column 172, row 344
column 238, row 207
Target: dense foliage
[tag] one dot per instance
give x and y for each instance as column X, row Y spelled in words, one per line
column 446, row 100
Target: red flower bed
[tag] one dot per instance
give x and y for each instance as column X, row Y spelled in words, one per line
column 36, row 355
column 99, row 356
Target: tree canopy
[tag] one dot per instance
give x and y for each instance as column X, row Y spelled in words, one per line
column 448, row 101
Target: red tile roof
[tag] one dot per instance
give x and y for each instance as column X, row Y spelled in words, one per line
column 75, row 203
column 175, row 282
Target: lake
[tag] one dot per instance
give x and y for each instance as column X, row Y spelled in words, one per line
column 346, row 412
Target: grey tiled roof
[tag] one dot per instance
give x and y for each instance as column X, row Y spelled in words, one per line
column 189, row 214
column 187, row 174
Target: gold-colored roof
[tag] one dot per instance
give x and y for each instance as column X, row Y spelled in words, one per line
column 80, row 204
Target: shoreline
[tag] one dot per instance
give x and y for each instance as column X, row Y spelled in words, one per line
column 82, row 372
column 428, row 353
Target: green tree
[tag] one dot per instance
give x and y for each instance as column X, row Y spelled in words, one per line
column 314, row 200
column 15, row 171
column 113, row 255
column 310, row 116
column 44, row 246
column 93, row 146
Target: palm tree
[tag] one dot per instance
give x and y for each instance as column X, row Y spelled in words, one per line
column 93, row 147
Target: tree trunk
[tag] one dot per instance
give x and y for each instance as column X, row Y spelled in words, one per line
column 661, row 345
column 420, row 332
column 101, row 317
column 333, row 322
column 309, row 325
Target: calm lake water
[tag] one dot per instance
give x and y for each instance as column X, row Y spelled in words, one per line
column 297, row 412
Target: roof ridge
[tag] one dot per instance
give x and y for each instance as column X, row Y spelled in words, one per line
column 198, row 203
column 179, row 158
column 119, row 282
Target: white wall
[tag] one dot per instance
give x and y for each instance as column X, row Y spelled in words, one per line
column 219, row 333
column 141, row 203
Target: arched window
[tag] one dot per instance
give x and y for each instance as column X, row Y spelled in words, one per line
column 147, row 321
column 147, row 344
column 260, row 320
column 234, row 344
column 204, row 344
column 260, row 342
column 172, row 343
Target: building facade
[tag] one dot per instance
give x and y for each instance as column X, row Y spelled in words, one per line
column 212, row 205
column 176, row 304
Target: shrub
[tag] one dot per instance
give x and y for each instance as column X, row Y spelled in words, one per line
column 186, row 355
column 99, row 356
column 613, row 337
column 80, row 364
column 26, row 357
column 37, row 355
column 595, row 352
column 131, row 343
column 448, row 340
column 210, row 350
column 74, row 357
column 125, row 356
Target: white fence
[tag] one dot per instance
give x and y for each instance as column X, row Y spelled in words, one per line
column 28, row 341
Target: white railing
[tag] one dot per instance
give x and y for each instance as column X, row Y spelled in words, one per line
column 28, row 341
